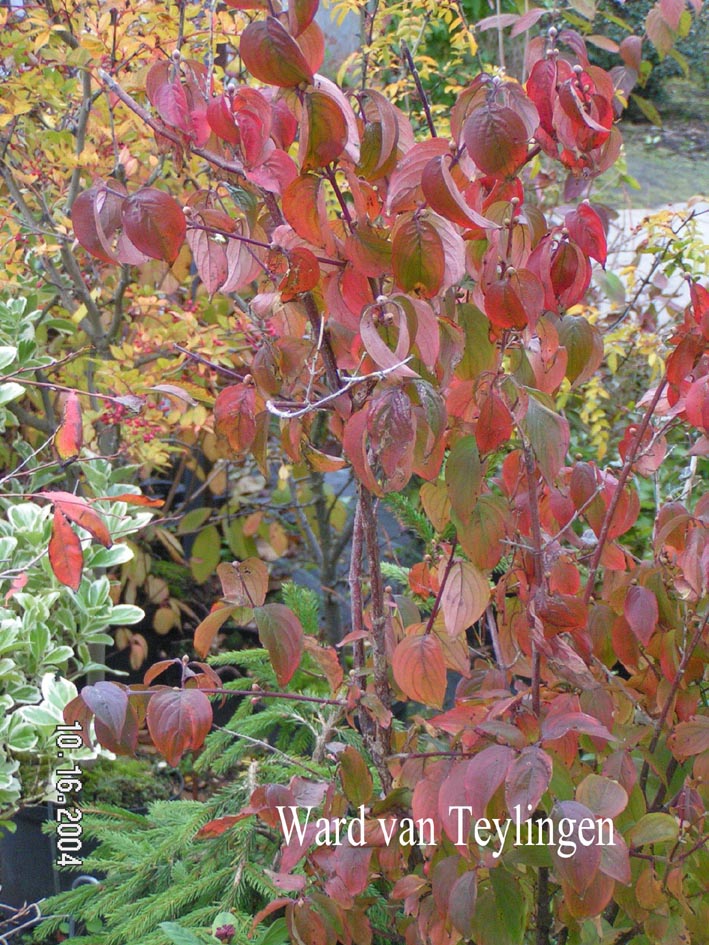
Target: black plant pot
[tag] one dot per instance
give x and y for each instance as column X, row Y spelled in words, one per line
column 27, row 858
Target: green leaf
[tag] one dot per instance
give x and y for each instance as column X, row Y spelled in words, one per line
column 612, row 286
column 653, row 828
column 178, row 935
column 549, row 436
column 501, row 913
column 463, row 477
column 417, row 256
column 275, row 934
column 206, row 553
column 647, row 108
column 193, row 521
column 125, row 614
column 480, row 353
column 10, row 391
column 7, row 356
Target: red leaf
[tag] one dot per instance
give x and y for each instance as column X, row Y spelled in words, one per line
column 404, row 192
column 96, row 216
column 209, row 255
column 280, row 632
column 235, row 415
column 418, row 257
column 178, row 720
column 690, row 738
column 17, row 584
column 154, row 223
column 443, row 196
column 304, row 207
column 65, row 555
column 595, row 898
column 697, row 403
column 641, row 612
column 419, row 669
column 221, row 120
column 327, row 661
column 77, row 509
column 167, row 95
column 461, row 903
column 215, row 828
column 354, row 443
column 392, row 432
column 579, row 869
column 312, row 44
column 70, row 434
column 515, row 300
column 387, row 320
column 658, row 31
column 301, row 13
column 496, row 139
column 302, row 276
column 586, row 228
column 559, row 725
column 272, row 56
column 494, row 426
column 484, row 775
column 126, row 740
column 527, row 780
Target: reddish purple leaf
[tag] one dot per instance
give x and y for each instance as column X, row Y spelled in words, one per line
column 280, row 632
column 154, row 222
column 642, row 612
column 272, row 56
column 527, row 780
column 178, row 720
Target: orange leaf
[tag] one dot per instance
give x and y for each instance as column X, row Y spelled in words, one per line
column 70, row 434
column 131, row 498
column 244, row 583
column 465, row 596
column 209, row 627
column 78, row 510
column 302, row 276
column 65, row 555
column 419, row 669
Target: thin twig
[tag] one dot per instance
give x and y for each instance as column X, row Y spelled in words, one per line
column 406, row 52
column 441, row 588
column 300, row 411
column 233, row 167
column 679, row 675
column 622, row 479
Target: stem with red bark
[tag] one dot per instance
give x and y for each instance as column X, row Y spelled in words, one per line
column 622, row 479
